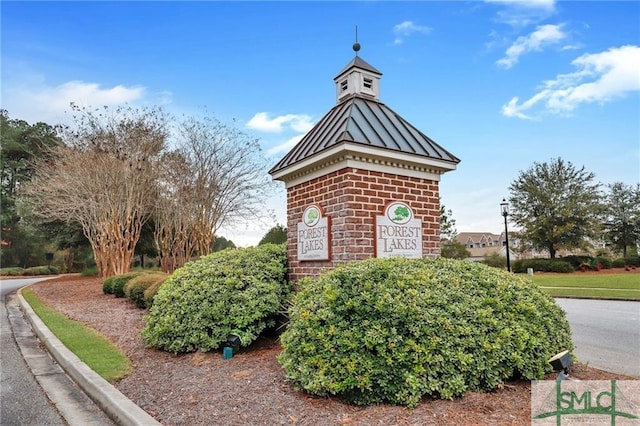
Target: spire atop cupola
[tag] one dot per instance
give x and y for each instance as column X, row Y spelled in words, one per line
column 358, row 78
column 356, row 45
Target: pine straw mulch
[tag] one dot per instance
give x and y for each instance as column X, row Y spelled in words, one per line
column 250, row 388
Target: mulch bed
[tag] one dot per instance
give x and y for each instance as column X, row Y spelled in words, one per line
column 250, row 388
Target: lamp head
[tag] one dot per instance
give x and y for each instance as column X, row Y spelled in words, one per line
column 561, row 361
column 504, row 207
column 233, row 341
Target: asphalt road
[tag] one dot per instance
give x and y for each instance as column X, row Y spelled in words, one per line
column 34, row 389
column 22, row 400
column 606, row 333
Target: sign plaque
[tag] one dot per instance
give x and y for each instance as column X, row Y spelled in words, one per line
column 398, row 232
column 313, row 235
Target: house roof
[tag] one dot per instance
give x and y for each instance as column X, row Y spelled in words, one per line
column 368, row 123
column 482, row 252
column 476, row 237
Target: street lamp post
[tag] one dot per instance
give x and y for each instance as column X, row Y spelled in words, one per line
column 504, row 207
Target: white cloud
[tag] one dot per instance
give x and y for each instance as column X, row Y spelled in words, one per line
column 406, row 29
column 529, row 4
column 520, row 13
column 164, row 97
column 543, row 36
column 600, row 77
column 49, row 103
column 296, row 122
column 285, row 146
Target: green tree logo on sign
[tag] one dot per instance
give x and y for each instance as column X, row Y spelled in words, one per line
column 399, row 213
column 311, row 215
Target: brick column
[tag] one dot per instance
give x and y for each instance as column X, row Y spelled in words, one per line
column 353, row 198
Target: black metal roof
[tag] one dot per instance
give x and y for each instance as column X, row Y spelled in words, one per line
column 370, row 123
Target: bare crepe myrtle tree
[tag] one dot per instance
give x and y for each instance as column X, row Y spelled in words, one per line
column 173, row 213
column 104, row 178
column 219, row 178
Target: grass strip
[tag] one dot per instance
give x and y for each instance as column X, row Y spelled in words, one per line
column 591, row 293
column 612, row 281
column 89, row 345
column 605, row 286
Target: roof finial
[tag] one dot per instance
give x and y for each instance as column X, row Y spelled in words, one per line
column 356, row 45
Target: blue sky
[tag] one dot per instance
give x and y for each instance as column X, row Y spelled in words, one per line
column 500, row 84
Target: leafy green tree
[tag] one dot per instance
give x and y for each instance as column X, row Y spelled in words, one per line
column 221, row 243
column 21, row 145
column 453, row 249
column 25, row 247
column 74, row 250
column 556, row 205
column 448, row 229
column 146, row 244
column 622, row 216
column 276, row 235
column 449, row 247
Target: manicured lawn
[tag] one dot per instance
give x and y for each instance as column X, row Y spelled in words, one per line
column 604, row 286
column 91, row 347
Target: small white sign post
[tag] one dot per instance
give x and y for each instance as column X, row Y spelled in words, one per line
column 398, row 232
column 313, row 235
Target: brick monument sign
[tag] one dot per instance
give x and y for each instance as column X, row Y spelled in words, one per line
column 362, row 183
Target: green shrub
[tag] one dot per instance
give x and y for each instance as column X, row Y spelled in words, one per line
column 40, row 270
column 135, row 288
column 106, row 285
column 90, row 271
column 150, row 293
column 632, row 261
column 541, row 265
column 234, row 291
column 618, row 263
column 603, row 262
column 577, row 261
column 115, row 283
column 495, row 260
column 398, row 329
column 14, row 271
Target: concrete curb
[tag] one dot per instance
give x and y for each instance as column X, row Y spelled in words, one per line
column 114, row 404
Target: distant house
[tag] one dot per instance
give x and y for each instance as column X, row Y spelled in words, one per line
column 483, row 244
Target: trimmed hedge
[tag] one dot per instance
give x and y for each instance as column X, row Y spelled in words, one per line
column 603, row 262
column 41, row 270
column 541, row 265
column 396, row 330
column 150, row 293
column 577, row 261
column 11, row 271
column 632, row 261
column 16, row 271
column 234, row 291
column 115, row 283
column 618, row 263
column 495, row 260
column 135, row 288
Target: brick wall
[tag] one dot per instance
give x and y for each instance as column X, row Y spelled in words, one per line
column 352, row 198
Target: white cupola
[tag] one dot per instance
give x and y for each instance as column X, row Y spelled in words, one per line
column 358, row 78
